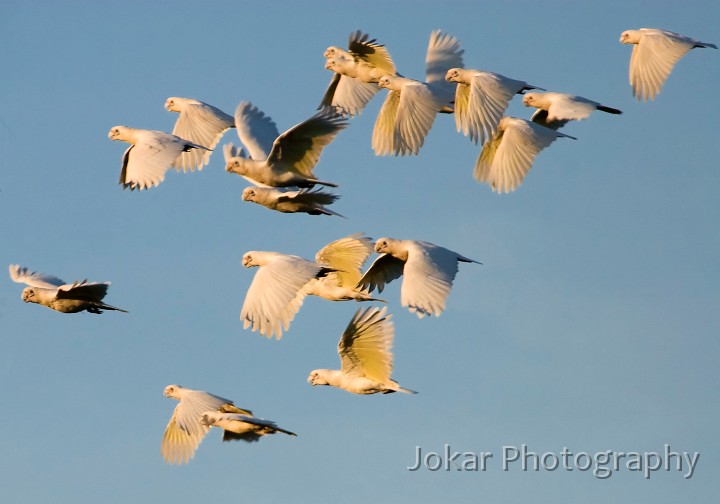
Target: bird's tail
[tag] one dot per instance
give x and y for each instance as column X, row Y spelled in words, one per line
column 312, row 182
column 609, row 110
column 104, row 306
column 278, row 429
column 406, row 391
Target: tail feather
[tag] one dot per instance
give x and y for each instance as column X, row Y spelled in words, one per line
column 609, row 110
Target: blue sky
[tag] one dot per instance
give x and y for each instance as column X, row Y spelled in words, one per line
column 592, row 323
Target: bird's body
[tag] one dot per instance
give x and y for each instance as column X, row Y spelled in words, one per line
column 285, row 160
column 239, row 427
column 428, row 271
column 201, row 124
column 554, row 110
column 275, row 294
column 149, row 156
column 366, row 359
column 356, row 73
column 410, row 107
column 654, row 55
column 288, row 201
column 506, row 159
column 55, row 294
column 481, row 99
column 195, row 414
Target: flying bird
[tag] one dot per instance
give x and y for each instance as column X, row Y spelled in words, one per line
column 410, row 107
column 276, row 160
column 481, row 99
column 288, row 201
column 356, row 73
column 345, row 257
column 54, row 293
column 554, row 110
column 275, row 294
column 428, row 271
column 654, row 55
column 149, row 156
column 201, row 124
column 506, row 159
column 196, row 412
column 366, row 359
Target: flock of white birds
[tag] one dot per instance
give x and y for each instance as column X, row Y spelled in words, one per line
column 280, row 169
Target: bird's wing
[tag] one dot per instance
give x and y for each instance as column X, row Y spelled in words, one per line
column 490, row 95
column 299, row 148
column 87, row 291
column 201, row 124
column 347, row 256
column 443, row 54
column 415, row 116
column 427, row 279
column 274, row 295
column 348, row 94
column 371, row 52
column 365, row 347
column 653, row 59
column 505, row 161
column 145, row 163
column 540, row 117
column 460, row 106
column 383, row 138
column 20, row 274
column 184, row 432
column 564, row 108
column 383, row 270
column 257, row 131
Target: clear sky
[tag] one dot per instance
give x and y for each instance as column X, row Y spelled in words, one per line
column 592, row 324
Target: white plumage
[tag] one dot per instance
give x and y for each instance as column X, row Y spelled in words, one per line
column 366, row 359
column 554, row 110
column 289, row 201
column 428, row 271
column 654, row 55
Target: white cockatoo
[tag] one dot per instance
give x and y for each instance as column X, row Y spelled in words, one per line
column 356, row 73
column 276, row 160
column 196, row 412
column 428, row 272
column 200, row 123
column 654, row 55
column 149, row 156
column 345, row 257
column 54, row 293
column 554, row 110
column 481, row 99
column 275, row 294
column 289, row 201
column 506, row 159
column 366, row 359
column 410, row 107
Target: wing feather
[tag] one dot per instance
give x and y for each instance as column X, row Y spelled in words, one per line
column 365, row 347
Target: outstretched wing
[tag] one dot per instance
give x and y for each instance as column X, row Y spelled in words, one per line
column 346, row 256
column 257, row 131
column 20, row 274
column 653, row 59
column 383, row 270
column 204, row 125
column 365, row 347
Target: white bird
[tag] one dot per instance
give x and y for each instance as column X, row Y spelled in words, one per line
column 410, row 107
column 366, row 359
column 481, row 99
column 428, row 271
column 506, row 159
column 356, row 73
column 281, row 160
column 654, row 55
column 192, row 418
column 287, row 201
column 345, row 257
column 275, row 294
column 149, row 156
column 54, row 293
column 200, row 123
column 554, row 110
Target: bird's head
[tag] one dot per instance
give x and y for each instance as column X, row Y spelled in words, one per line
column 317, row 377
column 28, row 295
column 385, row 81
column 234, row 165
column 117, row 133
column 172, row 391
column 330, row 64
column 172, row 104
column 382, row 246
column 248, row 260
column 453, row 75
column 529, row 99
column 331, row 52
column 248, row 194
column 630, row 37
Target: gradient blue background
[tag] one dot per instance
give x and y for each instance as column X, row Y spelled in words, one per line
column 592, row 323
